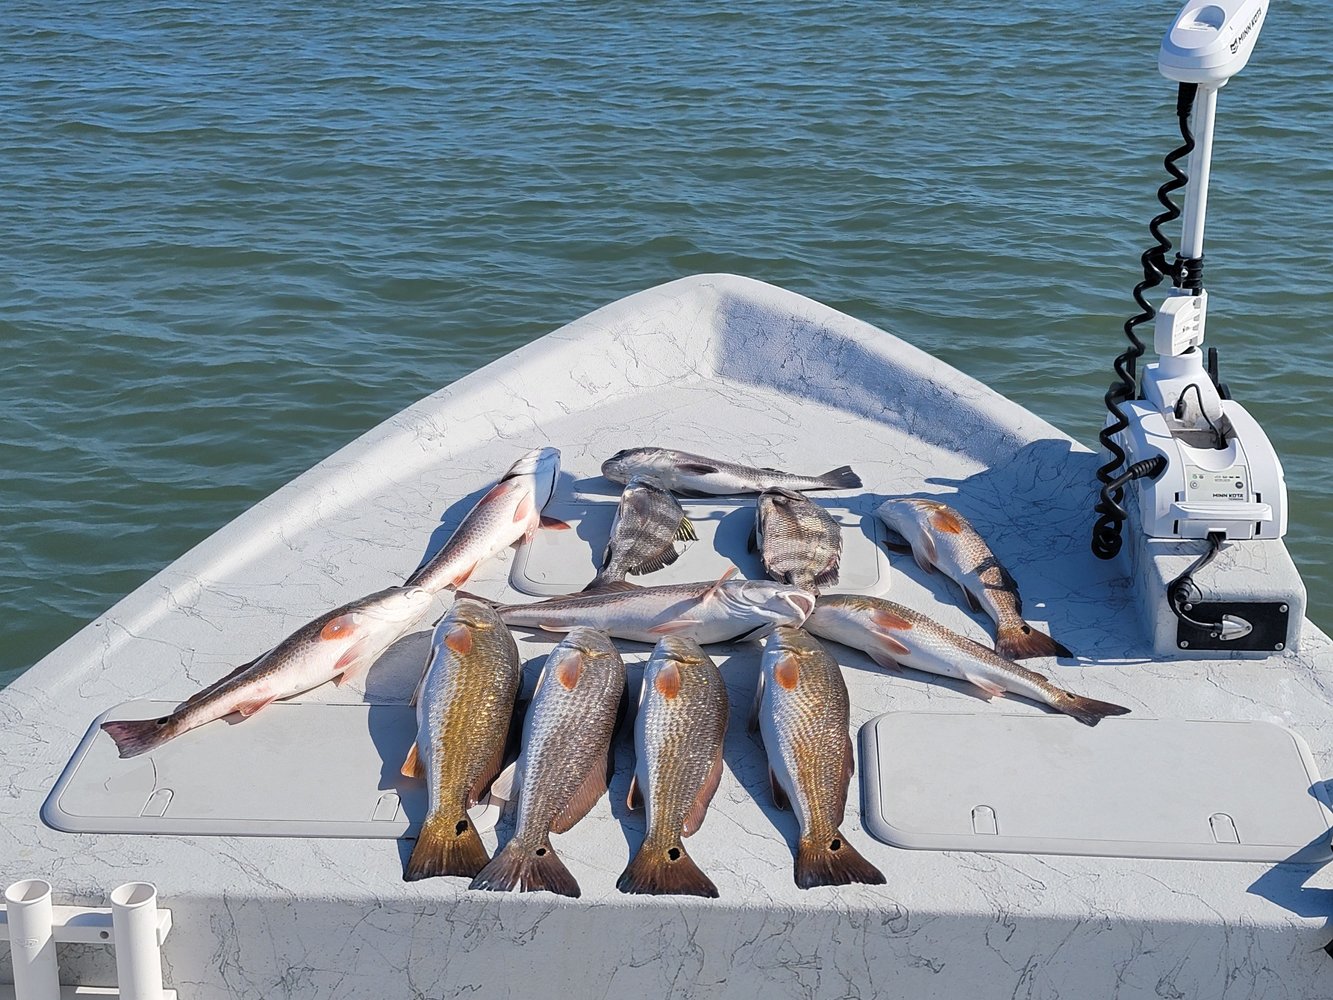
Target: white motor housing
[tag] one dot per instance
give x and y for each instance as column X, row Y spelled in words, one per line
column 1211, row 40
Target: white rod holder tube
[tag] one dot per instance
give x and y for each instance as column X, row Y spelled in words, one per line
column 1199, row 167
column 31, row 942
column 138, row 954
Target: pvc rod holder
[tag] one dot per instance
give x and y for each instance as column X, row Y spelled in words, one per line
column 134, row 921
column 31, row 941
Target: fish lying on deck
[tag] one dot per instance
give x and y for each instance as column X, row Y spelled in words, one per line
column 678, row 734
column 510, row 510
column 463, row 717
column 803, row 712
column 696, row 475
column 894, row 635
column 565, row 763
column 941, row 538
column 341, row 644
column 648, row 523
column 705, row 612
column 799, row 541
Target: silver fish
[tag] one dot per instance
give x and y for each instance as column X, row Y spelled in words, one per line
column 894, row 635
column 804, row 714
column 678, row 735
column 510, row 510
column 941, row 538
column 704, row 612
column 648, row 523
column 565, row 762
column 463, row 717
column 696, row 475
column 798, row 540
column 341, row 644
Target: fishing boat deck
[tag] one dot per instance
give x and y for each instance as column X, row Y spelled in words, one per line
column 719, row 365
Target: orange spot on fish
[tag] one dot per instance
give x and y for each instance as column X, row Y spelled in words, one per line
column 946, row 522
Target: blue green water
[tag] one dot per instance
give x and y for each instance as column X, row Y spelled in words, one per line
column 233, row 237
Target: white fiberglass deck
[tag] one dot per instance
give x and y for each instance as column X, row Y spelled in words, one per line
column 735, row 368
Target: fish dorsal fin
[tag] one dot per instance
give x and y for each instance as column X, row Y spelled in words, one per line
column 787, row 671
column 339, row 628
column 412, row 764
column 592, row 789
column 459, row 639
column 711, row 591
column 946, row 521
column 685, row 531
column 566, row 666
column 707, row 790
column 667, row 681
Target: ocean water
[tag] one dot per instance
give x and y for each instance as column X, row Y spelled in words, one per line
column 233, row 237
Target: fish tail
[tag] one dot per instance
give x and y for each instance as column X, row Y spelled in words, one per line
column 446, row 847
column 137, row 736
column 1088, row 711
column 1021, row 641
column 841, row 478
column 832, row 861
column 658, row 870
column 525, row 869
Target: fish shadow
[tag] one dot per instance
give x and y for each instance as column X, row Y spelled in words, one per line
column 393, row 730
column 459, row 509
column 1284, row 883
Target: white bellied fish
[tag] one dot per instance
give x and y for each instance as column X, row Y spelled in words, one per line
column 798, row 540
column 463, row 718
column 678, row 734
column 705, row 612
column 696, row 475
column 894, row 635
column 563, row 768
column 941, row 538
column 648, row 523
column 804, row 715
column 341, row 644
column 510, row 510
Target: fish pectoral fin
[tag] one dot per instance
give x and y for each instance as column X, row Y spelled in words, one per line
column 525, row 509
column 779, row 793
column 592, row 789
column 355, row 661
column 634, row 798
column 892, row 646
column 675, row 626
column 987, row 686
column 412, row 764
column 758, row 705
column 554, row 523
column 697, row 468
column 695, row 818
column 249, row 708
column 708, row 594
column 886, row 661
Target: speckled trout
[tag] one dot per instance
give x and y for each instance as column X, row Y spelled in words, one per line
column 798, row 540
column 563, row 768
column 648, row 523
column 894, row 635
column 696, row 475
column 705, row 612
column 463, row 716
column 341, row 645
column 678, row 734
column 510, row 510
column 804, row 715
column 941, row 538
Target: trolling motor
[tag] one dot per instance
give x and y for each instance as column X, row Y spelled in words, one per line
column 1204, row 479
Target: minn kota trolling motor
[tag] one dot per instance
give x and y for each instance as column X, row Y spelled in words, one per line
column 1189, row 468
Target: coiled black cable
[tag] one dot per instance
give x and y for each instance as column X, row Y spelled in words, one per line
column 1107, row 532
